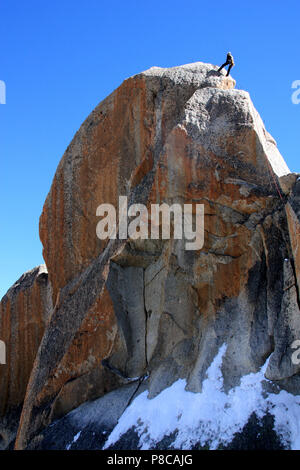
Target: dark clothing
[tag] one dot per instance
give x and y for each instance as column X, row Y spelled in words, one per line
column 229, row 61
column 229, row 68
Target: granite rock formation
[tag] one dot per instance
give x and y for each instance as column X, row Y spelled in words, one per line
column 24, row 312
column 132, row 314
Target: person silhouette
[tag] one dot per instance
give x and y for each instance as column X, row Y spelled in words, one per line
column 229, row 61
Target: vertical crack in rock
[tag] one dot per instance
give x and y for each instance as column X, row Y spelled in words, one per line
column 146, row 321
column 126, row 288
column 292, row 261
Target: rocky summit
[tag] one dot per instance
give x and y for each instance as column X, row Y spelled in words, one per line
column 128, row 343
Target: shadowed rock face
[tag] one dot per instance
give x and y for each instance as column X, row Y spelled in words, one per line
column 125, row 308
column 24, row 312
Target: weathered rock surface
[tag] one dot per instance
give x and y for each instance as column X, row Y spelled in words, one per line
column 24, row 312
column 112, row 151
column 293, row 217
column 129, row 308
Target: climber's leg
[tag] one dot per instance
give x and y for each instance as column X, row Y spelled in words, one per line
column 222, row 66
column 229, row 68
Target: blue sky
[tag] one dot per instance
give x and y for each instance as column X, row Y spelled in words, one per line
column 60, row 58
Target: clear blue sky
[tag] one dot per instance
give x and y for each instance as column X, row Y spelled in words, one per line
column 60, row 58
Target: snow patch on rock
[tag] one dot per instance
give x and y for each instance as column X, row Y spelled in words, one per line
column 211, row 417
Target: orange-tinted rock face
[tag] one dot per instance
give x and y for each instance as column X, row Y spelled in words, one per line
column 112, row 150
column 167, row 135
column 24, row 313
column 294, row 232
column 95, row 169
column 93, row 341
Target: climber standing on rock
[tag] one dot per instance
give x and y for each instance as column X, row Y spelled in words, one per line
column 229, row 61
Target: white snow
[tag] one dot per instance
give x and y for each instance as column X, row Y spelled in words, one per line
column 211, row 417
column 75, row 438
